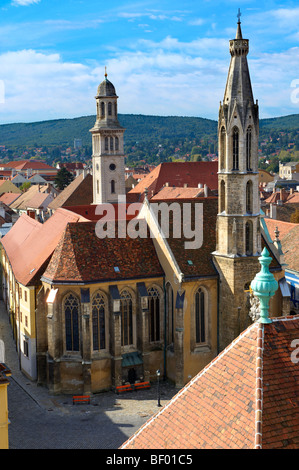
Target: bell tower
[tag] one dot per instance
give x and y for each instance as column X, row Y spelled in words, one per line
column 238, row 220
column 107, row 147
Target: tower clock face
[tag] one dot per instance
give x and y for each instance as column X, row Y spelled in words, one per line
column 112, row 167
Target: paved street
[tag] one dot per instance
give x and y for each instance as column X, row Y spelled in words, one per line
column 41, row 421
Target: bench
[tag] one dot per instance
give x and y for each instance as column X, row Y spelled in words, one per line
column 131, row 387
column 81, row 399
column 140, row 385
column 124, row 388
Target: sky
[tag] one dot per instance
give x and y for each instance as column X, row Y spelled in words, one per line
column 164, row 57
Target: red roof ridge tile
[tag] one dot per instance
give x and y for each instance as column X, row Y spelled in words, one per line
column 259, row 387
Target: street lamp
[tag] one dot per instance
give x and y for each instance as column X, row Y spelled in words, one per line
column 158, row 377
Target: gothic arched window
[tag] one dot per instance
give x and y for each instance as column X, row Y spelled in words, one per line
column 109, row 109
column 235, row 148
column 154, row 314
column 249, row 238
column 126, row 312
column 71, row 315
column 112, row 187
column 248, row 149
column 200, row 317
column 222, row 148
column 249, row 193
column 170, row 314
column 102, row 109
column 98, row 322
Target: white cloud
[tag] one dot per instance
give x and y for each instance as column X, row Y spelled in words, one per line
column 24, row 3
column 168, row 77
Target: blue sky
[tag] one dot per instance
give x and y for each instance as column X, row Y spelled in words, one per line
column 164, row 57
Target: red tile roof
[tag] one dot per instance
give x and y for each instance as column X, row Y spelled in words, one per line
column 28, row 164
column 81, row 256
column 177, row 174
column 30, row 244
column 38, row 200
column 9, row 198
column 180, row 193
column 247, row 397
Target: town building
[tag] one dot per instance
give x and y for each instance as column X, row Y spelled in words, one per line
column 4, row 421
column 116, row 291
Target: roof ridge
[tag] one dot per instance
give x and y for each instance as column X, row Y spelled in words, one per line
column 259, row 387
column 192, row 381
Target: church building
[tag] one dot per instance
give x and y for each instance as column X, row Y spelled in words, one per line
column 114, row 309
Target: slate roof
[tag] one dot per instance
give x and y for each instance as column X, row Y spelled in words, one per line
column 78, row 192
column 246, row 398
column 177, row 174
column 81, row 256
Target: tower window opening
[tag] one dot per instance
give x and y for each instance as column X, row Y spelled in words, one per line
column 222, row 196
column 112, row 187
column 222, row 148
column 111, row 143
column 235, row 148
column 248, row 238
column 109, row 109
column 116, row 143
column 102, row 109
column 106, row 143
column 248, row 149
column 249, row 208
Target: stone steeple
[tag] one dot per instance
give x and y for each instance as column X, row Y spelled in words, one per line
column 107, row 147
column 238, row 94
column 238, row 220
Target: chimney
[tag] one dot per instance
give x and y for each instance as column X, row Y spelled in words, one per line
column 206, row 190
column 200, row 185
column 273, row 211
column 185, row 185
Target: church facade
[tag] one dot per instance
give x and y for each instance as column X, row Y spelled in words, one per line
column 115, row 309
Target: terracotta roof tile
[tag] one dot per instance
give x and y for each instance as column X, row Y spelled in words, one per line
column 30, row 244
column 177, row 174
column 82, row 256
column 220, row 407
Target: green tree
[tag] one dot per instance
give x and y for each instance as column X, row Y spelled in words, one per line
column 25, row 186
column 63, row 178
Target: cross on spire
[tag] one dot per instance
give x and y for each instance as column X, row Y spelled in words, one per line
column 239, row 15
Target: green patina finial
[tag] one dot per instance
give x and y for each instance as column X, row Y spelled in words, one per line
column 264, row 286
